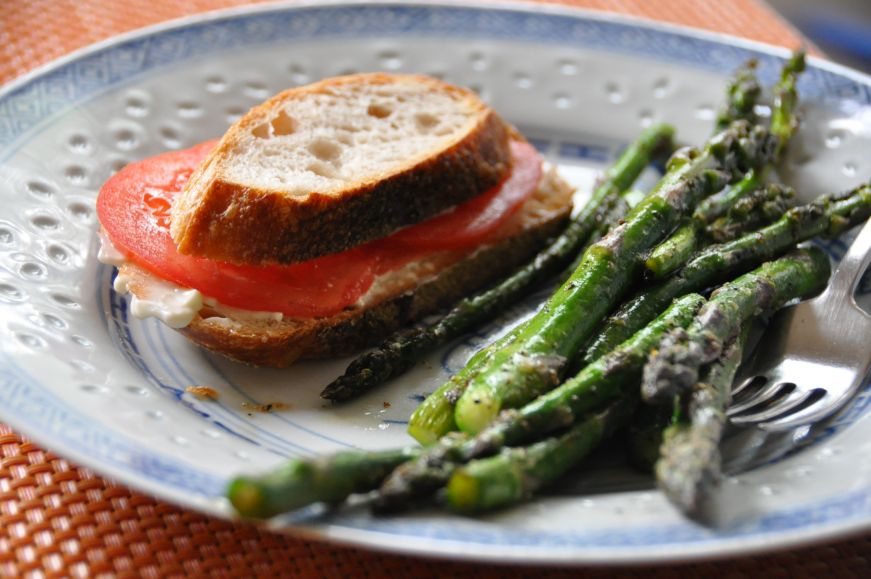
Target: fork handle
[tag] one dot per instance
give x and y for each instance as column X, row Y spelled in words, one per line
column 853, row 265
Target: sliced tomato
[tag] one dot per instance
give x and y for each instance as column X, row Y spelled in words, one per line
column 134, row 209
column 468, row 224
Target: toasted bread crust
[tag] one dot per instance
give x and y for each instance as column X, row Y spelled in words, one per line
column 448, row 276
column 222, row 220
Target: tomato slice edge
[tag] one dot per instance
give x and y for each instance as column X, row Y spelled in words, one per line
column 133, row 208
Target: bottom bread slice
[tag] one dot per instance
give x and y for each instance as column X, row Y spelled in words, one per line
column 396, row 299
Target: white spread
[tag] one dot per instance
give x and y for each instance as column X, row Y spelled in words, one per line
column 237, row 314
column 174, row 305
column 108, row 253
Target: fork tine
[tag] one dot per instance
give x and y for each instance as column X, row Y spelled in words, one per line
column 767, row 394
column 794, row 401
column 820, row 409
column 744, row 389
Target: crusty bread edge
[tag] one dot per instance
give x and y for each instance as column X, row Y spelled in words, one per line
column 219, row 220
column 353, row 330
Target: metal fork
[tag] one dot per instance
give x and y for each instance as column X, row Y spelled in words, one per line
column 813, row 358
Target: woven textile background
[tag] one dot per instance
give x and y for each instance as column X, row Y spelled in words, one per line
column 57, row 519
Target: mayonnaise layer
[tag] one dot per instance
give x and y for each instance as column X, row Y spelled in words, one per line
column 172, row 304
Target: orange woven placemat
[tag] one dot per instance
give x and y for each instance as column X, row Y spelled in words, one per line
column 57, row 519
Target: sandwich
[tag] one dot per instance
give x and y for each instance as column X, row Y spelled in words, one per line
column 329, row 216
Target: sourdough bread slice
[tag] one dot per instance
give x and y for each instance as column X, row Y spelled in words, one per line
column 396, row 299
column 325, row 167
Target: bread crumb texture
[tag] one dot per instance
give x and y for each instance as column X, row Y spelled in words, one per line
column 322, row 168
column 328, row 136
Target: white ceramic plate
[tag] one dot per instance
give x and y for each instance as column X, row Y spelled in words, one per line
column 107, row 391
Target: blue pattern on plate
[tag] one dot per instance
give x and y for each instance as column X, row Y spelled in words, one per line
column 24, row 396
column 848, row 507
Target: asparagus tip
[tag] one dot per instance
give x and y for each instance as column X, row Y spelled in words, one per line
column 797, row 62
column 333, row 391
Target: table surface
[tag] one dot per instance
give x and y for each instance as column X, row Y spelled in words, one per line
column 59, row 519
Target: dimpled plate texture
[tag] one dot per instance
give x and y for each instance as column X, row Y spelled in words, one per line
column 108, row 391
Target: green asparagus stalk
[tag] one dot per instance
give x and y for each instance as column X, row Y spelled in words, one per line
column 742, row 96
column 828, row 216
column 759, row 208
column 601, row 382
column 674, row 366
column 399, row 352
column 752, row 211
column 675, row 251
column 516, row 473
column 434, row 417
column 719, row 204
column 614, row 214
column 784, row 123
column 535, row 360
column 301, row 482
column 331, row 479
column 744, row 93
column 606, row 378
column 688, row 239
column 689, row 465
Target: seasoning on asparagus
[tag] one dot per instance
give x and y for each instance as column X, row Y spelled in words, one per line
column 742, row 96
column 752, row 211
column 517, row 473
column 668, row 256
column 719, row 203
column 434, row 417
column 399, row 352
column 828, row 216
column 333, row 478
column 784, row 120
column 744, row 92
column 598, row 383
column 614, row 214
column 759, row 208
column 301, row 482
column 784, row 123
column 518, row 372
column 689, row 465
column 674, row 366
